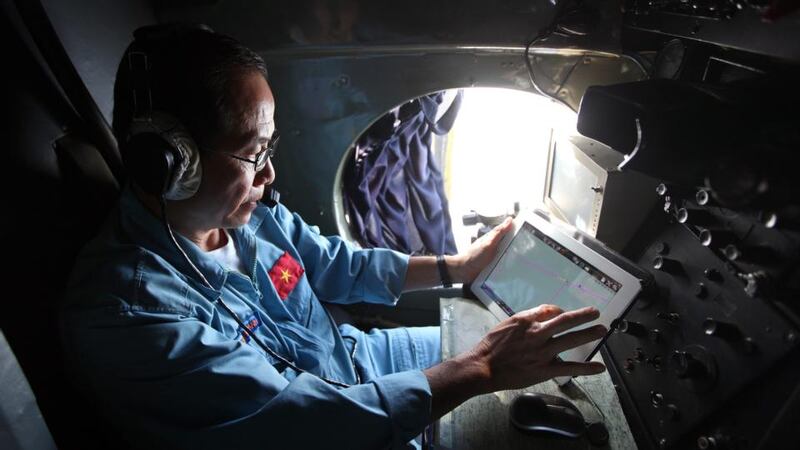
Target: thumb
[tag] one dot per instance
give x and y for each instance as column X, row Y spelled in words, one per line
column 502, row 229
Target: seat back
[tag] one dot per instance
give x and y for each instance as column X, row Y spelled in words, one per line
column 21, row 424
column 57, row 190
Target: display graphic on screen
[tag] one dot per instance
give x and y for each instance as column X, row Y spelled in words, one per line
column 555, row 275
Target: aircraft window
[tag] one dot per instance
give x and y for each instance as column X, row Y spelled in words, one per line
column 493, row 155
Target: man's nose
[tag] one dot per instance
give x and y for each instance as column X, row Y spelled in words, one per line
column 265, row 175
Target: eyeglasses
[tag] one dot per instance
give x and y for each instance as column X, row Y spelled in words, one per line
column 261, row 157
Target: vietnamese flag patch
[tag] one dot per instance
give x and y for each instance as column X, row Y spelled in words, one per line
column 285, row 274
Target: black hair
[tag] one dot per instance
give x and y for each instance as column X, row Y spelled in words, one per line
column 191, row 69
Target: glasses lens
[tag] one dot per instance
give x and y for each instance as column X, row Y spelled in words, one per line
column 261, row 159
column 267, row 152
column 273, row 143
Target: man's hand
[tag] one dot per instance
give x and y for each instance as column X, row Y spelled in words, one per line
column 467, row 265
column 423, row 273
column 521, row 350
column 518, row 352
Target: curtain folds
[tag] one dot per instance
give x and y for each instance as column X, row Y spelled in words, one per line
column 393, row 189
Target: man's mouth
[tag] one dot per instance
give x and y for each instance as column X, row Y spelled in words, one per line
column 255, row 198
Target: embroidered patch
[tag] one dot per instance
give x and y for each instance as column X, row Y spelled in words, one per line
column 251, row 323
column 285, row 274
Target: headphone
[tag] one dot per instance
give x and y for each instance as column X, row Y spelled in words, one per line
column 159, row 153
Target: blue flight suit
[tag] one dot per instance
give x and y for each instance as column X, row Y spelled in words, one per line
column 172, row 369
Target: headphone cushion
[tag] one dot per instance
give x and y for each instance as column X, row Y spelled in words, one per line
column 163, row 158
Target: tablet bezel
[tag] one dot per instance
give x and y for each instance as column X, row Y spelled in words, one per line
column 618, row 305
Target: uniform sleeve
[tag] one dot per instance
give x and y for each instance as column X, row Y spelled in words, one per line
column 339, row 271
column 185, row 385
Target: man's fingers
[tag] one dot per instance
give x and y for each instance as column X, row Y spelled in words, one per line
column 575, row 368
column 570, row 319
column 541, row 313
column 547, row 312
column 574, row 339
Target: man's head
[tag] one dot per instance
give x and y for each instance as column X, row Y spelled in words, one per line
column 216, row 87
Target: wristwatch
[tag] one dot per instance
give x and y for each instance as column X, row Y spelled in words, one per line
column 443, row 273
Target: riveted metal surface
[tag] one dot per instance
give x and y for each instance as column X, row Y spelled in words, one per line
column 269, row 24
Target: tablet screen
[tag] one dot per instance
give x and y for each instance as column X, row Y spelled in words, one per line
column 535, row 269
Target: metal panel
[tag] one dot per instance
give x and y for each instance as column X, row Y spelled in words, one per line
column 746, row 31
column 267, row 24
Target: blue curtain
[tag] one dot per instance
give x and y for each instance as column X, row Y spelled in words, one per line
column 394, row 194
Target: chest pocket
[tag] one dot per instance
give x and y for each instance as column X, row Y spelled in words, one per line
column 293, row 307
column 265, row 332
column 285, row 275
column 256, row 322
column 309, row 350
column 285, row 289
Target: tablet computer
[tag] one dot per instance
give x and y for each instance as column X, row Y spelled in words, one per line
column 539, row 262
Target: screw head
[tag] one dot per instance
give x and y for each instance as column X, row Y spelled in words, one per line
column 656, row 399
column 749, row 345
column 701, row 197
column 655, row 335
column 712, row 274
column 629, row 365
column 700, row 290
column 672, row 412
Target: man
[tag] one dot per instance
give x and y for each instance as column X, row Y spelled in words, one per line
column 227, row 345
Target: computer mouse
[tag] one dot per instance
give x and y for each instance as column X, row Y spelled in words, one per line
column 534, row 413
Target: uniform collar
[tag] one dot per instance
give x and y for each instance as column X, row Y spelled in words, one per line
column 149, row 232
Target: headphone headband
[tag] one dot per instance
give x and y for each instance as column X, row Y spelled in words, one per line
column 161, row 32
column 160, row 154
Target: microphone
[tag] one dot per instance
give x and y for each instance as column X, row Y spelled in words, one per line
column 271, row 198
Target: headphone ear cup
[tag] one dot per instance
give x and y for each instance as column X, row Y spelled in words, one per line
column 162, row 157
column 150, row 161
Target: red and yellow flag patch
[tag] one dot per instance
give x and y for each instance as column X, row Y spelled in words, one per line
column 285, row 274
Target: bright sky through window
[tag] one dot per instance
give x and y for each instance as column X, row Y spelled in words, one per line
column 496, row 153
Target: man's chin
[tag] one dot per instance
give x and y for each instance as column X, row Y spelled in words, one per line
column 249, row 207
column 238, row 219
